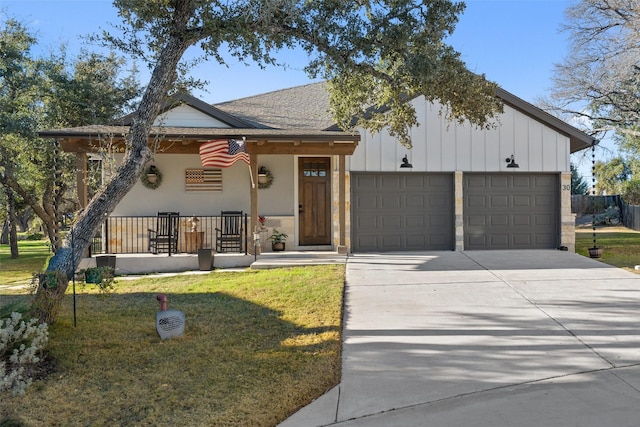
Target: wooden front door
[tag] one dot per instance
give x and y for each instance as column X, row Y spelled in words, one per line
column 314, row 198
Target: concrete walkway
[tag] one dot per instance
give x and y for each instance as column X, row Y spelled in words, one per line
column 485, row 338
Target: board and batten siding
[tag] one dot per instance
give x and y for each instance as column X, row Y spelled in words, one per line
column 442, row 146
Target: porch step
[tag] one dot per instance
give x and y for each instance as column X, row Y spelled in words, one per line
column 269, row 260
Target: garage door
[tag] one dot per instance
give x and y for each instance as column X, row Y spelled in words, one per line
column 402, row 211
column 511, row 211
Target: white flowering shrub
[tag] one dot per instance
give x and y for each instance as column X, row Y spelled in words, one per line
column 21, row 346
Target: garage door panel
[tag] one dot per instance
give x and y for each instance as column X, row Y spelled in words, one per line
column 366, row 201
column 390, row 222
column 544, row 201
column 499, row 240
column 394, row 242
column 415, row 201
column 522, row 241
column 522, row 202
column 390, row 201
column 415, row 221
column 389, row 183
column 416, row 242
column 367, row 221
column 522, row 220
column 522, row 182
column 476, row 202
column 415, row 182
column 497, row 182
column 523, row 211
column 473, row 220
column 499, row 201
column 412, row 212
column 544, row 220
column 499, row 220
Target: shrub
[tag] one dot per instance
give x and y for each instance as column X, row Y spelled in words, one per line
column 611, row 216
column 21, row 345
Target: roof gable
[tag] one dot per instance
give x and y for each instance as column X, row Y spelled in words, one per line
column 183, row 110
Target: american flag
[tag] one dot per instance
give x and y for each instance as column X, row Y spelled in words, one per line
column 223, row 153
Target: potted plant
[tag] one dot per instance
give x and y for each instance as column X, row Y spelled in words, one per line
column 595, row 252
column 97, row 275
column 277, row 241
column 262, row 220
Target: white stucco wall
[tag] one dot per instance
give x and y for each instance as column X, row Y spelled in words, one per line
column 235, row 195
column 440, row 146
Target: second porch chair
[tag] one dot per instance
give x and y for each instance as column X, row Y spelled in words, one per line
column 165, row 236
column 230, row 234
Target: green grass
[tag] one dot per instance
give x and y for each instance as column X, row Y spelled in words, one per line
column 620, row 246
column 32, row 258
column 257, row 346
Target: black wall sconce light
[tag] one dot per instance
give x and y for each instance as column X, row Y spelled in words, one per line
column 512, row 162
column 405, row 162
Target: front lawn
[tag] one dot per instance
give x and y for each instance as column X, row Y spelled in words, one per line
column 620, row 246
column 33, row 255
column 258, row 345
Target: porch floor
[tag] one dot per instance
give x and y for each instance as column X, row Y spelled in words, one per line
column 135, row 264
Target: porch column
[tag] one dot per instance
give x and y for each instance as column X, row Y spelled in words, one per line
column 342, row 248
column 81, row 179
column 253, row 166
column 459, row 210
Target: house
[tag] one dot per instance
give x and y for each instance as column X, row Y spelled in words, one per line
column 459, row 188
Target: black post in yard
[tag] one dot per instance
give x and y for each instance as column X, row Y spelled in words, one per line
column 73, row 278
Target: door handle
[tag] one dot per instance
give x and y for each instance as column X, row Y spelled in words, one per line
column 300, row 210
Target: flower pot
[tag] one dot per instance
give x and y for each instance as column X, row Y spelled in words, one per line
column 106, row 261
column 205, row 259
column 277, row 246
column 262, row 178
column 152, row 177
column 595, row 252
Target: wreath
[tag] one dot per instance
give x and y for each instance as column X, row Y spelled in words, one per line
column 151, row 170
column 264, row 171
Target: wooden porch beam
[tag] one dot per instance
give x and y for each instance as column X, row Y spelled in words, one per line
column 325, row 148
column 81, row 179
column 253, row 166
column 342, row 218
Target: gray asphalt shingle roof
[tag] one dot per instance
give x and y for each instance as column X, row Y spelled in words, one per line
column 300, row 107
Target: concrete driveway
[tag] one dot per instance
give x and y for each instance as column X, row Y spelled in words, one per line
column 485, row 338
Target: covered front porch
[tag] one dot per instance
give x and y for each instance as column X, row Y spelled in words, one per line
column 143, row 264
column 307, row 154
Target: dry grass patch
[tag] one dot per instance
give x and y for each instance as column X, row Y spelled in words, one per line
column 257, row 346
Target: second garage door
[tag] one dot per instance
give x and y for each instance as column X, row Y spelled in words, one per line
column 511, row 211
column 402, row 211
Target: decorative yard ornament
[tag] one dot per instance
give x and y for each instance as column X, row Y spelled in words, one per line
column 194, row 223
column 169, row 323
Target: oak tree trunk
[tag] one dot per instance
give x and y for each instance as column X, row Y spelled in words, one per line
column 137, row 154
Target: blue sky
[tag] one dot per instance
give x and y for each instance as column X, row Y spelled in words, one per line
column 513, row 42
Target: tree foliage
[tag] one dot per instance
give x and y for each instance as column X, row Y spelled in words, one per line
column 48, row 92
column 375, row 55
column 578, row 184
column 599, row 79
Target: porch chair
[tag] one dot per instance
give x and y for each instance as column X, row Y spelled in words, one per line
column 165, row 236
column 229, row 235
